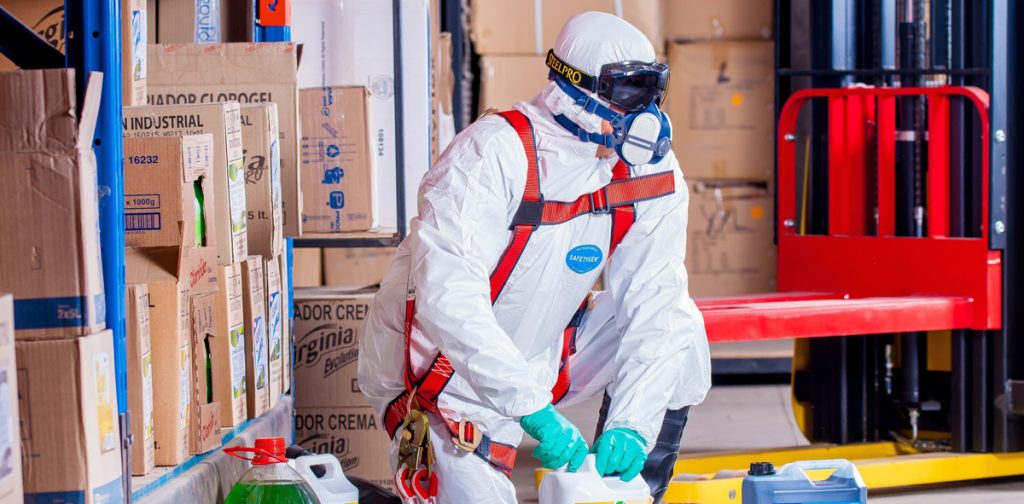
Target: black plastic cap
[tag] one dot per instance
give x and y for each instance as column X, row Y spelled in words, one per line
column 761, row 469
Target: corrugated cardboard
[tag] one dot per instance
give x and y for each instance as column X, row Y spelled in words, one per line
column 503, row 27
column 286, row 326
column 261, row 141
column 45, row 17
column 140, row 378
column 48, row 209
column 720, row 19
column 68, row 411
column 337, row 166
column 352, row 434
column 257, row 365
column 162, row 176
column 228, row 347
column 729, row 249
column 204, row 426
column 307, row 267
column 507, row 80
column 356, row 266
column 134, row 37
column 247, row 73
column 720, row 100
column 11, row 488
column 171, row 274
column 187, row 21
column 329, row 322
column 350, row 43
column 223, row 121
column 275, row 328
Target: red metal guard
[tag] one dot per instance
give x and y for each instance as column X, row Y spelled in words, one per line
column 875, row 282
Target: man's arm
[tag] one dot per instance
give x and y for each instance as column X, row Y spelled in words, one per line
column 664, row 345
column 465, row 195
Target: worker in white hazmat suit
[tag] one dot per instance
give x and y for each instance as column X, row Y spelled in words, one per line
column 485, row 319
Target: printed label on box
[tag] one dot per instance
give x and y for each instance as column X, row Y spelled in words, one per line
column 105, row 411
column 147, row 395
column 7, row 423
column 275, row 326
column 238, row 361
column 138, row 42
column 185, row 394
column 207, row 21
column 260, row 352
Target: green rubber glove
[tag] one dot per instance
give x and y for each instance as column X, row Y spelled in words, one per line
column 620, row 451
column 560, row 441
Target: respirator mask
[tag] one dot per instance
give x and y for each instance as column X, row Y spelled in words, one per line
column 642, row 133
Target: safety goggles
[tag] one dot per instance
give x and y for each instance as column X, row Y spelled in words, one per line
column 632, row 85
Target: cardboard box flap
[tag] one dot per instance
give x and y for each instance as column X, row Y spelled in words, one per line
column 90, row 110
column 221, row 64
column 151, row 264
column 37, row 110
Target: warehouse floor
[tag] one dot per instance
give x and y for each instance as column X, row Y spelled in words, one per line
column 748, row 417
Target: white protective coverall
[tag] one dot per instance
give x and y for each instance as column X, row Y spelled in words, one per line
column 643, row 339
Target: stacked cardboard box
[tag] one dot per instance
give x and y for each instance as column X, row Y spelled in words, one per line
column 350, row 43
column 512, row 41
column 721, row 96
column 11, row 487
column 356, row 267
column 171, row 220
column 331, row 415
column 140, row 378
column 338, row 167
column 66, row 402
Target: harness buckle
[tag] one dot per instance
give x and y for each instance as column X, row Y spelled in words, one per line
column 599, row 205
column 414, row 450
column 469, row 437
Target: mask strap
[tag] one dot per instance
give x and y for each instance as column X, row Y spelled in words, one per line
column 584, row 135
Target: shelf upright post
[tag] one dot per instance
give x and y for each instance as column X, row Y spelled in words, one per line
column 94, row 45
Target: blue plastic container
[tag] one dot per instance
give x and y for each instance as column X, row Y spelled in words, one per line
column 791, row 485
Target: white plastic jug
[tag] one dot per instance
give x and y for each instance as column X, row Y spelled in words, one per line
column 587, row 486
column 333, row 487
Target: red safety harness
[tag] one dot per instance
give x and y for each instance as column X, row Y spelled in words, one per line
column 617, row 198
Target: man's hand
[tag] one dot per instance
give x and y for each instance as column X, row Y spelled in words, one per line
column 622, row 452
column 560, row 441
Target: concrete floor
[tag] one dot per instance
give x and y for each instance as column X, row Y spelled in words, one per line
column 750, row 417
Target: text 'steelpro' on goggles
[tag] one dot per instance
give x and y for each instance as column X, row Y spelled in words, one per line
column 632, row 85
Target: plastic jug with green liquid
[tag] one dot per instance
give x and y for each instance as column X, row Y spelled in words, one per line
column 270, row 480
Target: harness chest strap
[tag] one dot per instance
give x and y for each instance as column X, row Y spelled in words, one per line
column 617, row 198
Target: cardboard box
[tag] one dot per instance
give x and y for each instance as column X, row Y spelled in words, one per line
column 729, row 249
column 48, row 210
column 257, row 365
column 720, row 19
column 261, row 141
column 140, row 378
column 329, row 323
column 721, row 100
column 172, row 275
column 188, row 21
column 11, row 488
column 45, row 17
column 350, row 43
column 134, row 38
column 307, row 267
column 507, row 80
column 286, row 326
column 247, row 73
column 68, row 411
column 337, row 167
column 353, row 434
column 168, row 186
column 357, row 266
column 228, row 347
column 503, row 27
column 204, row 426
column 223, row 121
column 275, row 327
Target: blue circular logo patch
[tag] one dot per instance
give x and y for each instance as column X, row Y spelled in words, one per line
column 584, row 258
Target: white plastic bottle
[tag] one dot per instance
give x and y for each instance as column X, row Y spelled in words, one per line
column 333, row 487
column 586, row 485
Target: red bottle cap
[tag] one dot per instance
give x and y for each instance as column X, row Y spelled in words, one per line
column 269, row 451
